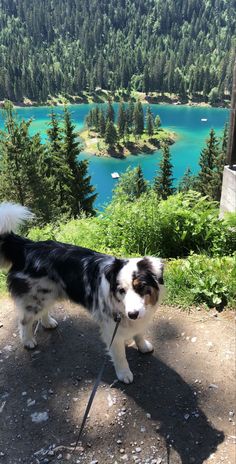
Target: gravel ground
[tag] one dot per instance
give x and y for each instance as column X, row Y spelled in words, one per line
column 179, row 410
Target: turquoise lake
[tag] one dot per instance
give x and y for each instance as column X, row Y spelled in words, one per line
column 186, row 121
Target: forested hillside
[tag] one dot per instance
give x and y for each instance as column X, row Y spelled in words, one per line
column 53, row 46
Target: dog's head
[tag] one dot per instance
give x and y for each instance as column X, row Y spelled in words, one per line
column 136, row 284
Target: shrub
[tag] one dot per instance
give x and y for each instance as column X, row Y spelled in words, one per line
column 184, row 223
column 202, row 280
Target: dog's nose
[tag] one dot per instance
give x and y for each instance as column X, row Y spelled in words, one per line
column 133, row 315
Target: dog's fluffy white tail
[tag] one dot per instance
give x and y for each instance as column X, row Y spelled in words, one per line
column 11, row 216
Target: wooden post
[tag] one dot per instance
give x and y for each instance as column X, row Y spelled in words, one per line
column 231, row 149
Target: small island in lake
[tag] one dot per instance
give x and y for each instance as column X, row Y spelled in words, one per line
column 131, row 133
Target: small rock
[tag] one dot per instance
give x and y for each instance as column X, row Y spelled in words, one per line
column 94, row 462
column 39, row 416
column 193, row 339
column 186, row 416
column 138, row 449
column 213, row 385
column 231, row 413
column 148, row 415
column 59, row 456
column 119, row 442
column 30, row 402
column 67, row 456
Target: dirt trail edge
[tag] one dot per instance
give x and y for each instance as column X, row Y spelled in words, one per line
column 179, row 410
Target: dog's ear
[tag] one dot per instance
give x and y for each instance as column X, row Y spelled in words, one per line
column 111, row 272
column 158, row 267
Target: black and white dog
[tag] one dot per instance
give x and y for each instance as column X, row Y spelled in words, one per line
column 43, row 272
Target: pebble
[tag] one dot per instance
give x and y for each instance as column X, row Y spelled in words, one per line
column 193, row 339
column 138, row 449
column 148, row 415
column 39, row 416
column 59, row 456
column 94, row 462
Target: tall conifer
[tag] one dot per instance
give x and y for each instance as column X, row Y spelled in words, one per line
column 163, row 181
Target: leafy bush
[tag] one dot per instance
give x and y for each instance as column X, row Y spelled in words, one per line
column 200, row 279
column 169, row 228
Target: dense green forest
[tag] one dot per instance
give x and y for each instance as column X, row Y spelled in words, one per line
column 55, row 46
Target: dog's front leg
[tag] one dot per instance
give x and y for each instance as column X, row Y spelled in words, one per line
column 143, row 345
column 118, row 356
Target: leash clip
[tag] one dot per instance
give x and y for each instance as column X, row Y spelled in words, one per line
column 117, row 317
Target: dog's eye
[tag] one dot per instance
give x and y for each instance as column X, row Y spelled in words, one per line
column 121, row 291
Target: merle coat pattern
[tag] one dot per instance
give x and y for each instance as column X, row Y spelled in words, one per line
column 42, row 272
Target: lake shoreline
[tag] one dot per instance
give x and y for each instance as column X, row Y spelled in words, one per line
column 94, row 145
column 153, row 98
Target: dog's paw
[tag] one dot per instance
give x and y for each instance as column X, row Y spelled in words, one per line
column 49, row 323
column 145, row 347
column 125, row 375
column 30, row 344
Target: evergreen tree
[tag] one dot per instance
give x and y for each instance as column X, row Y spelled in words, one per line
column 58, row 170
column 211, row 163
column 225, row 138
column 187, row 182
column 121, row 120
column 157, row 122
column 149, row 121
column 102, row 123
column 130, row 116
column 138, row 119
column 22, row 167
column 80, row 195
column 163, row 181
column 110, row 133
column 131, row 184
column 110, row 116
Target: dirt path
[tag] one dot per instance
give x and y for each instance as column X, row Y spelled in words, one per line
column 180, row 408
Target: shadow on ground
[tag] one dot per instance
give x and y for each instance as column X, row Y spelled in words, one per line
column 57, row 378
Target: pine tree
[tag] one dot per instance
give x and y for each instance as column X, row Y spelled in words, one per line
column 110, row 133
column 102, row 123
column 187, row 182
column 23, row 167
column 209, row 177
column 130, row 116
column 225, row 138
column 149, row 121
column 131, row 184
column 157, row 122
column 80, row 195
column 57, row 168
column 163, row 181
column 138, row 119
column 141, row 183
column 110, row 115
column 121, row 120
